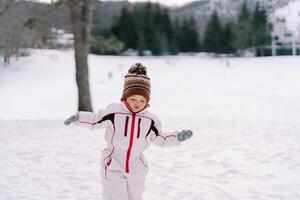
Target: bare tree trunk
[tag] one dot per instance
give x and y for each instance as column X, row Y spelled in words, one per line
column 7, row 48
column 81, row 17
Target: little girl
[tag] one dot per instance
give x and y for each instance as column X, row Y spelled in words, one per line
column 130, row 129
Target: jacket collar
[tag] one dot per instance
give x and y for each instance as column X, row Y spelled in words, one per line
column 126, row 107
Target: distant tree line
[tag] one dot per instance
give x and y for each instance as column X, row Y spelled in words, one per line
column 149, row 27
column 250, row 31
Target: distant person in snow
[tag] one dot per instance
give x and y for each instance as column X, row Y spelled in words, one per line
column 130, row 129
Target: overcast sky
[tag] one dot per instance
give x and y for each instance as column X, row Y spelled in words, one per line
column 165, row 2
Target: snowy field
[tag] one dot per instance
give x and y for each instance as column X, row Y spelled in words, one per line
column 245, row 114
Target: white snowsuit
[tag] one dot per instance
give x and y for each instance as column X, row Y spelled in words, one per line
column 127, row 134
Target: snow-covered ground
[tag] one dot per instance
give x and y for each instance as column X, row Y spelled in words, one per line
column 245, row 114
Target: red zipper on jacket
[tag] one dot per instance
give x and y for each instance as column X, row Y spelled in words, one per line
column 130, row 143
column 131, row 133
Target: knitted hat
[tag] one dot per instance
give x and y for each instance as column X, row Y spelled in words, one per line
column 137, row 82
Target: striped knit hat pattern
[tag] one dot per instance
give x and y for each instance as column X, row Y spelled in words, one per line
column 137, row 82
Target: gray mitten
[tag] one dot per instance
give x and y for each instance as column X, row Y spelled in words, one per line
column 72, row 119
column 184, row 135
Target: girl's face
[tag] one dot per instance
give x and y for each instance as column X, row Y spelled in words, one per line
column 136, row 102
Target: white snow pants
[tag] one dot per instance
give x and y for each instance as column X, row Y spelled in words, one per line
column 117, row 186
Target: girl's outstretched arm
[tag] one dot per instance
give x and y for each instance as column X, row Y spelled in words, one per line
column 164, row 139
column 90, row 120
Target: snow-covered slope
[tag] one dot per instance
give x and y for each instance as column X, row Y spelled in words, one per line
column 227, row 9
column 244, row 113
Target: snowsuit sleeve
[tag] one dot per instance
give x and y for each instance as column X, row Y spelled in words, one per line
column 92, row 120
column 162, row 139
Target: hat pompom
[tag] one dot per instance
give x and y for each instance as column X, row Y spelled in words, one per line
column 138, row 69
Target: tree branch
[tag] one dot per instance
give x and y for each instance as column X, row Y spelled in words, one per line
column 7, row 6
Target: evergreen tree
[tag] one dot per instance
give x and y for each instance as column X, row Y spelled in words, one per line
column 157, row 16
column 243, row 29
column 176, row 38
column 155, row 25
column 149, row 26
column 261, row 34
column 155, row 45
column 189, row 40
column 184, row 31
column 228, row 38
column 192, row 37
column 141, row 43
column 125, row 29
column 213, row 35
column 164, row 44
column 166, row 24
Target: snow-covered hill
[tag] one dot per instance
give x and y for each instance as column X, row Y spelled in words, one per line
column 226, row 9
column 244, row 113
column 291, row 16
